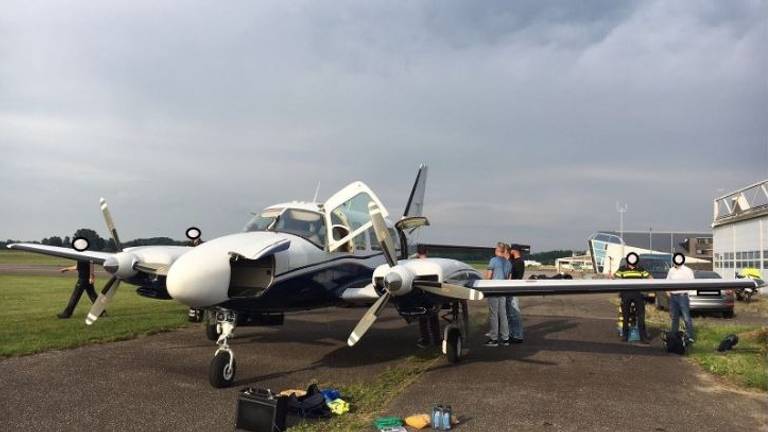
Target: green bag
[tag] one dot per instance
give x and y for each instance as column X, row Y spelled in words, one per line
column 385, row 422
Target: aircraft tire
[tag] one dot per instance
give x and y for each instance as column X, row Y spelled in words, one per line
column 219, row 373
column 212, row 332
column 453, row 345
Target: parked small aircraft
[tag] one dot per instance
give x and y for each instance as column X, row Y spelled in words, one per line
column 304, row 255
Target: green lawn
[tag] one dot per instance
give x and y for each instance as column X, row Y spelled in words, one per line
column 28, row 321
column 746, row 365
column 9, row 256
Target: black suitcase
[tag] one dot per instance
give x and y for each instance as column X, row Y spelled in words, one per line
column 259, row 410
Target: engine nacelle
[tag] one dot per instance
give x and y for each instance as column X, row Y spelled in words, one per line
column 121, row 265
column 398, row 280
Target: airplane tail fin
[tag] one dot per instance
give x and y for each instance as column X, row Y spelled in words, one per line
column 415, row 204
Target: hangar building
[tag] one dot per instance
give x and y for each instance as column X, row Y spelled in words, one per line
column 740, row 229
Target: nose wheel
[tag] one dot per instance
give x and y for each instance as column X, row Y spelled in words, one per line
column 221, row 372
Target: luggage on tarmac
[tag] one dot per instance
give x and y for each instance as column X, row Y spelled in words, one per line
column 675, row 343
column 728, row 343
column 260, row 410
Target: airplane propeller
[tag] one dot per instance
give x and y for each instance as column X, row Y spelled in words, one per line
column 112, row 265
column 400, row 280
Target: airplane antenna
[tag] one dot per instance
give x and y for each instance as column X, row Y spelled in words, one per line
column 317, row 192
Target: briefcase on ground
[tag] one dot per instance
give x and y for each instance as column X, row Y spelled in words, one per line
column 260, row 410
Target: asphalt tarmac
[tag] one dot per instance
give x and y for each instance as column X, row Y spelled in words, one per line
column 571, row 374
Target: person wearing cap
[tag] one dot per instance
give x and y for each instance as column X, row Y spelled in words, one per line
column 632, row 270
column 195, row 239
column 514, row 316
column 679, row 302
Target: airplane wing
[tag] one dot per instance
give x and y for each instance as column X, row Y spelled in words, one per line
column 62, row 252
column 535, row 287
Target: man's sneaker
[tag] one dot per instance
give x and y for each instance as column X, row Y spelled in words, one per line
column 63, row 315
column 506, row 342
column 492, row 343
column 516, row 340
column 690, row 341
column 421, row 343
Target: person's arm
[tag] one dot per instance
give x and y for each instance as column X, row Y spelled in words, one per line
column 68, row 269
column 489, row 270
column 92, row 277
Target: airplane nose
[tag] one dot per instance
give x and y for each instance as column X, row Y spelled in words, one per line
column 199, row 278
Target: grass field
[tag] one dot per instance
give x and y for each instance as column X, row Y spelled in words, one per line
column 28, row 321
column 8, row 256
column 746, row 365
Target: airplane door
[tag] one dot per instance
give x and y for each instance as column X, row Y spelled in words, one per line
column 349, row 219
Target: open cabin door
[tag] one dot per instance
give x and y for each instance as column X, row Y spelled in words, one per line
column 348, row 215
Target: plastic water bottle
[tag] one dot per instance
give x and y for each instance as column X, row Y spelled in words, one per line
column 446, row 420
column 437, row 414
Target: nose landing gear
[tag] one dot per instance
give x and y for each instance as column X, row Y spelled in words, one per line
column 221, row 372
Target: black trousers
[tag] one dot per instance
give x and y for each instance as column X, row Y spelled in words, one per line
column 77, row 293
column 627, row 300
column 429, row 329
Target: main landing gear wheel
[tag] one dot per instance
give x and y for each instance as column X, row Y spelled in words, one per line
column 221, row 373
column 456, row 332
column 453, row 345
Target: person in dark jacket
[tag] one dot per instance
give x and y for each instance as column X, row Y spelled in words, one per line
column 85, row 280
column 632, row 270
column 429, row 323
column 514, row 316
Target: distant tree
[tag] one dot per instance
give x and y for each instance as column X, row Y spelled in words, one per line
column 549, row 257
column 55, row 241
column 66, row 242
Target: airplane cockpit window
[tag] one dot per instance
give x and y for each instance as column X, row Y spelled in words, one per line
column 353, row 214
column 307, row 224
column 263, row 220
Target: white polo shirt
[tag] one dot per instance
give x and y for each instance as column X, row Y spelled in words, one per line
column 681, row 273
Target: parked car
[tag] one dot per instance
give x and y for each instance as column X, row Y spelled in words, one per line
column 705, row 303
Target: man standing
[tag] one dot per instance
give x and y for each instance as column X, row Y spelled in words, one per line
column 679, row 303
column 632, row 270
column 429, row 323
column 85, row 279
column 498, row 268
column 514, row 316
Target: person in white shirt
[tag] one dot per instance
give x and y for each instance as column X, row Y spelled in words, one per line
column 679, row 303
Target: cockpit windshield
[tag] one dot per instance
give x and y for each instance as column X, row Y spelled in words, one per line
column 307, row 224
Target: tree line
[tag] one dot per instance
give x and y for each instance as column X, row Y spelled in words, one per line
column 97, row 243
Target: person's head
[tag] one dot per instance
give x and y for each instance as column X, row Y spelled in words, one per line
column 678, row 260
column 502, row 250
column 514, row 251
column 632, row 260
column 421, row 251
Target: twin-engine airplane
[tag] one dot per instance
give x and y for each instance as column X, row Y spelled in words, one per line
column 305, row 255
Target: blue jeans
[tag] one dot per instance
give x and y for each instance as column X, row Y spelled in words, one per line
column 680, row 304
column 514, row 318
column 498, row 318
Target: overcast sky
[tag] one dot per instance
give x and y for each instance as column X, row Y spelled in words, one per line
column 534, row 116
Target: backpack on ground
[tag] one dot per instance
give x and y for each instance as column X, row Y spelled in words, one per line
column 675, row 342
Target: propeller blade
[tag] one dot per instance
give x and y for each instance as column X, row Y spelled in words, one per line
column 100, row 305
column 110, row 224
column 368, row 319
column 449, row 290
column 382, row 235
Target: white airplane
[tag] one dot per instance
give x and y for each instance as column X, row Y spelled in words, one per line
column 300, row 255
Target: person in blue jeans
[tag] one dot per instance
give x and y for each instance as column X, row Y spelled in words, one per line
column 512, row 305
column 679, row 302
column 498, row 269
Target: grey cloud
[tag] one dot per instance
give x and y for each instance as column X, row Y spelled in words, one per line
column 534, row 116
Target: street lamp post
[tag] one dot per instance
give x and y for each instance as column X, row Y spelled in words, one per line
column 621, row 208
